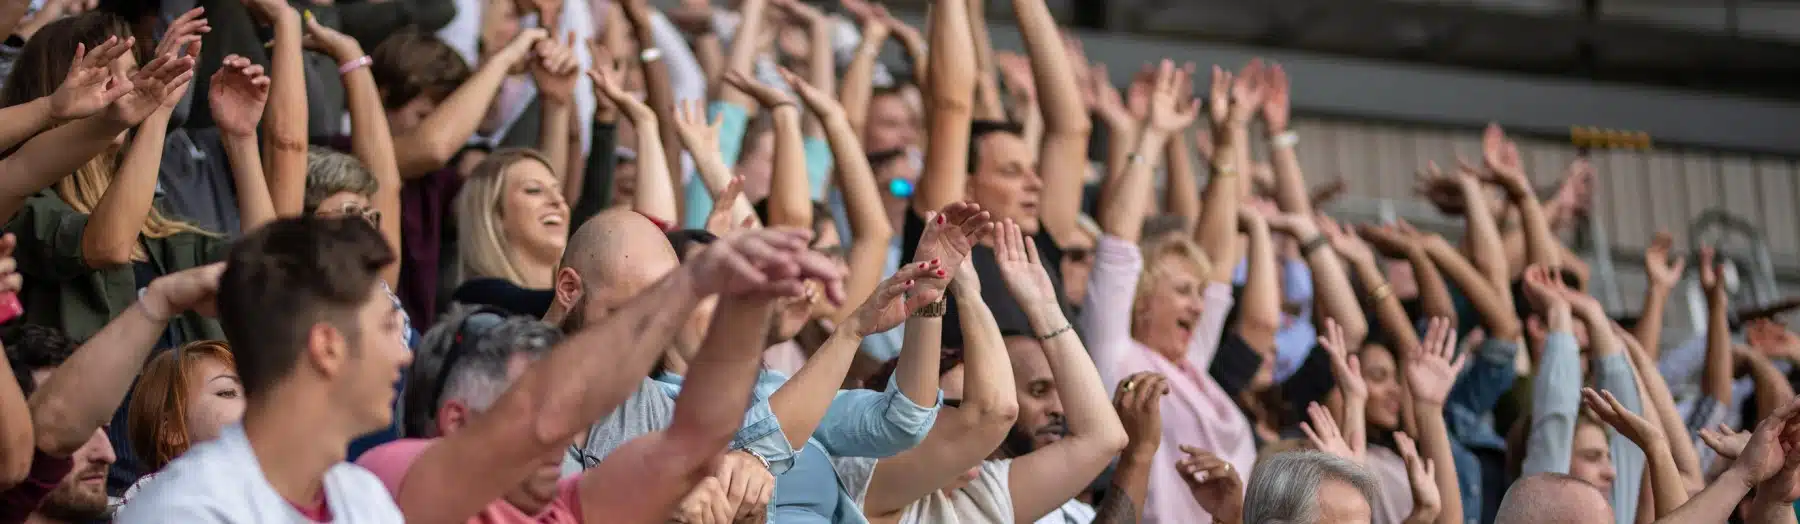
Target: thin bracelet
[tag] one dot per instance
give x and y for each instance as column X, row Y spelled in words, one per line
column 355, row 64
column 1224, row 172
column 1053, row 334
column 1285, row 139
column 1381, row 293
column 650, row 54
column 1313, row 244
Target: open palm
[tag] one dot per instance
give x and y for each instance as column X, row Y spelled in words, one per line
column 237, row 94
column 950, row 234
column 149, row 86
column 90, row 86
column 898, row 297
column 1434, row 367
column 1020, row 266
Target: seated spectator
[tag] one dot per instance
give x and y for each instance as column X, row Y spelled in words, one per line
column 184, row 397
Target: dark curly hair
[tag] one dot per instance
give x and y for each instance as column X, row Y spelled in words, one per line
column 31, row 347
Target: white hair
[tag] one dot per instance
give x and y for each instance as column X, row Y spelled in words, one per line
column 1285, row 488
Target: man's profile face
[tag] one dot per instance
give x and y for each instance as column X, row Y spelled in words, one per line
column 81, row 497
column 1004, row 182
column 1040, row 408
column 378, row 356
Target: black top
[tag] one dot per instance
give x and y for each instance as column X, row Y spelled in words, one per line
column 500, row 293
column 1007, row 313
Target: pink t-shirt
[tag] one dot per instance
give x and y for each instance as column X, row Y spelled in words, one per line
column 390, row 461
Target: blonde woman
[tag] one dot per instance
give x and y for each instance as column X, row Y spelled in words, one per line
column 511, row 220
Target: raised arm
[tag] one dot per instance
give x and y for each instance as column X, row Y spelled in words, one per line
column 701, row 140
column 965, row 435
column 1400, row 240
column 1260, row 308
column 111, row 234
column 1429, row 374
column 1388, row 311
column 870, row 231
column 370, row 138
column 855, row 90
column 239, row 89
column 790, row 196
column 1662, row 276
column 1138, row 401
column 1665, row 479
column 1235, row 102
column 1049, row 476
column 642, row 480
column 1716, row 382
column 1657, row 397
column 658, row 86
column 84, row 92
column 430, row 145
column 1333, row 298
column 283, row 125
column 1762, row 459
column 85, row 391
column 1129, row 197
column 88, row 101
column 1290, row 184
column 1062, row 159
column 745, row 46
column 1346, row 368
column 949, row 104
column 655, row 196
column 555, row 71
column 1501, row 156
column 1555, row 397
column 561, row 395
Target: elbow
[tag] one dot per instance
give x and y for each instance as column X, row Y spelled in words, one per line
column 15, row 462
column 98, row 253
column 1356, row 330
column 53, row 423
column 999, row 414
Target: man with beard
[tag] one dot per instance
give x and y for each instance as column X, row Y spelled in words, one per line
column 73, row 390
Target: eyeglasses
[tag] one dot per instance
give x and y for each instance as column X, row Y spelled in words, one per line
column 468, row 333
column 352, row 209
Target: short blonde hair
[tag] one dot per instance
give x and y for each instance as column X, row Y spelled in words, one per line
column 483, row 249
column 330, row 172
column 1185, row 252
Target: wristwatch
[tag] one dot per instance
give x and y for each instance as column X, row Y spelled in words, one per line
column 932, row 310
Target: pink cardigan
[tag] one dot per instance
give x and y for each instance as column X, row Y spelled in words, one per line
column 1197, row 411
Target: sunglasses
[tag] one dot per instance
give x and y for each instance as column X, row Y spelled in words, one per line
column 468, row 332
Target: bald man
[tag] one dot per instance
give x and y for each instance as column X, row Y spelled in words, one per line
column 1554, row 498
column 610, row 259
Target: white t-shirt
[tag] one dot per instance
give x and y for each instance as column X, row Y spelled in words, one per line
column 1071, row 512
column 221, row 482
column 987, row 499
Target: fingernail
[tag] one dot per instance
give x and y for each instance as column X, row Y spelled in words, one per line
column 940, row 272
column 909, row 282
column 934, row 261
column 940, row 219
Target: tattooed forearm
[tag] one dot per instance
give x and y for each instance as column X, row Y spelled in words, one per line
column 1116, row 507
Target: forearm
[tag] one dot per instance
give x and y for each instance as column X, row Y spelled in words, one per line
column 284, row 120
column 111, row 233
column 1716, row 382
column 1085, row 399
column 987, row 92
column 790, row 196
column 1291, row 193
column 1434, row 443
column 254, row 206
column 1123, row 209
column 16, row 439
column 23, row 121
column 1656, row 393
column 11, row 13
column 655, row 195
column 710, row 53
column 1434, row 295
column 869, row 228
column 1648, row 330
column 68, row 406
column 800, row 404
column 1554, row 402
column 373, row 143
column 1388, row 311
column 1540, row 243
column 1333, row 298
column 988, row 383
column 1124, row 500
column 710, row 411
column 859, row 77
column 1772, row 387
column 949, row 102
column 1063, row 155
column 430, row 145
column 1495, row 309
column 742, row 57
column 660, row 92
column 50, row 156
column 1770, row 509
column 821, row 70
column 1260, row 313
column 1715, row 503
column 553, row 136
column 1665, row 479
column 1217, row 230
column 1487, row 250
column 1181, row 191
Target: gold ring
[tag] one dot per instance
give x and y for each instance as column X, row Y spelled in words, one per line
column 1129, row 384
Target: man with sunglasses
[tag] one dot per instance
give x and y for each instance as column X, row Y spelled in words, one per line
column 499, row 399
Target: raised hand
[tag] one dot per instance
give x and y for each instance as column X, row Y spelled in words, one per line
column 1433, row 367
column 1169, row 112
column 1218, row 105
column 90, row 85
column 1542, row 288
column 1247, row 93
column 1440, row 189
column 1710, row 272
column 266, row 12
column 607, row 84
column 1214, row 483
column 337, row 45
column 1663, row 273
column 805, row 14
column 1324, row 434
column 1020, row 267
column 519, row 49
column 691, row 126
column 764, row 94
column 1275, row 108
column 1501, row 157
column 184, row 33
column 1139, row 403
column 718, row 221
column 183, row 291
column 764, row 263
column 951, row 232
column 897, row 298
column 10, row 280
column 156, row 81
column 1345, row 367
column 1422, row 475
column 1106, row 100
column 1769, row 447
column 1772, row 339
column 556, row 69
column 1344, row 240
column 1015, row 71
column 237, row 94
column 1609, row 410
column 1727, row 442
column 1389, row 239
column 821, row 103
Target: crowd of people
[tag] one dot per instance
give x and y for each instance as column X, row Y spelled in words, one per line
column 442, row 261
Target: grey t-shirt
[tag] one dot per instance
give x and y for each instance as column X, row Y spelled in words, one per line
column 647, row 410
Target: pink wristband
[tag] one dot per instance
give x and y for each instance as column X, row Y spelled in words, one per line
column 353, row 65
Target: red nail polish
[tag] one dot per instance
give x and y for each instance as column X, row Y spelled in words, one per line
column 909, row 282
column 940, row 219
column 934, row 261
column 940, row 272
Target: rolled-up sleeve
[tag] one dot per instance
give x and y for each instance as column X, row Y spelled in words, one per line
column 874, row 424
column 761, row 432
column 1106, row 312
column 1555, row 400
column 49, row 239
column 1613, row 373
column 1489, row 377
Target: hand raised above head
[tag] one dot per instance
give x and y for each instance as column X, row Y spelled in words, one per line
column 767, row 263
